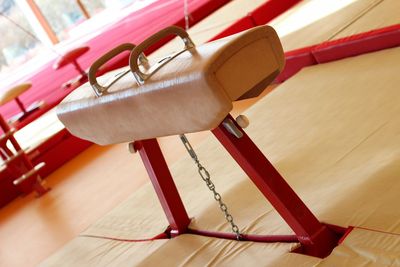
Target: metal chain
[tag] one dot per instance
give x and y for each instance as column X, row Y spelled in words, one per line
column 205, row 175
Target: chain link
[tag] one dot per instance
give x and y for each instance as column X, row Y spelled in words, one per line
column 205, row 175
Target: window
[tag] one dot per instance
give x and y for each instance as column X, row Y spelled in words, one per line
column 63, row 15
column 18, row 42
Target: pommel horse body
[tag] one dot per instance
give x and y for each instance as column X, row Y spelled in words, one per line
column 190, row 91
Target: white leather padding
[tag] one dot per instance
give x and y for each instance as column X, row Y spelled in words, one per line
column 193, row 92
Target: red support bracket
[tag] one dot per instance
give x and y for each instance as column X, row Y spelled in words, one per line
column 316, row 238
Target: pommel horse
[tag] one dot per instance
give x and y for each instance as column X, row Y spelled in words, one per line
column 190, row 91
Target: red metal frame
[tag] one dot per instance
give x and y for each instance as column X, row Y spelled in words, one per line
column 357, row 44
column 316, row 239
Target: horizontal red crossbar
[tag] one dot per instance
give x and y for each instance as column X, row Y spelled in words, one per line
column 245, row 237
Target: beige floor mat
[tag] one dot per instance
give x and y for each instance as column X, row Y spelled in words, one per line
column 366, row 248
column 96, row 252
column 314, row 21
column 384, row 14
column 335, row 139
column 332, row 130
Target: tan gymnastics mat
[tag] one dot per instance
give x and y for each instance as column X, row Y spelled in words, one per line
column 361, row 247
column 310, row 22
column 332, row 130
column 314, row 21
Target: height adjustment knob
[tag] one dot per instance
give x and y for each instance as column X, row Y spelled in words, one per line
column 242, row 121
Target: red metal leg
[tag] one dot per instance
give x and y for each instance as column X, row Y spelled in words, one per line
column 79, row 68
column 20, row 105
column 25, row 111
column 164, row 185
column 315, row 238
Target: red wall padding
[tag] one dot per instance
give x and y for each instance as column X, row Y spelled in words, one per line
column 354, row 45
column 358, row 44
column 295, row 61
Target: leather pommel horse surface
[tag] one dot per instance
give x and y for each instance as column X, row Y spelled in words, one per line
column 211, row 77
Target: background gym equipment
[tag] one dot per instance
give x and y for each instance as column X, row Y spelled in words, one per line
column 18, row 165
column 14, row 93
column 71, row 57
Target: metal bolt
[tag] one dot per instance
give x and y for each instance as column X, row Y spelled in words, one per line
column 232, row 128
column 242, row 121
column 131, row 148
